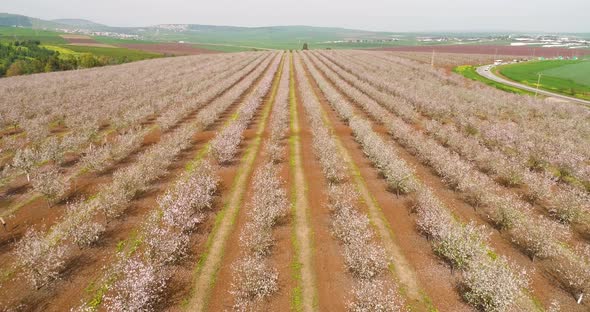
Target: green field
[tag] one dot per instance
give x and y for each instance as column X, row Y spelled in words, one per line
column 222, row 48
column 10, row 34
column 71, row 50
column 469, row 71
column 131, row 55
column 568, row 77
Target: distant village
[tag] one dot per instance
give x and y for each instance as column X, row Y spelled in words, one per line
column 100, row 33
column 513, row 40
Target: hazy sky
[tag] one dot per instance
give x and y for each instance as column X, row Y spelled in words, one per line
column 388, row 15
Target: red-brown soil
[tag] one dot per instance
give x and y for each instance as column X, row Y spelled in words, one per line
column 81, row 40
column 524, row 51
column 167, row 48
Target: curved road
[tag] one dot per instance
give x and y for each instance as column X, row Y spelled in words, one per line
column 488, row 74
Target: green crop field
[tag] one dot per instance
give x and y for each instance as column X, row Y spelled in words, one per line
column 10, row 34
column 132, row 55
column 568, row 77
column 578, row 73
column 222, row 48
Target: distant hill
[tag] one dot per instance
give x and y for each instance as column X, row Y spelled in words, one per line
column 77, row 22
column 272, row 37
column 263, row 37
column 15, row 20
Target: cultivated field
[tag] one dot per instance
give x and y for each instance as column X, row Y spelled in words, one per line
column 81, row 40
column 276, row 181
column 167, row 48
column 522, row 51
column 569, row 77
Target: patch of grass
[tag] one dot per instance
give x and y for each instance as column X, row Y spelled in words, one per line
column 120, row 246
column 567, row 77
column 469, row 71
column 536, row 301
column 492, row 254
column 6, row 274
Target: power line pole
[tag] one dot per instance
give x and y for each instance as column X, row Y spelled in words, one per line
column 538, row 83
column 432, row 59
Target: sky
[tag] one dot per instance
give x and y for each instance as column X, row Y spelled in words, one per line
column 382, row 15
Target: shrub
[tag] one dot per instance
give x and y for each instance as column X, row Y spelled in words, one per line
column 257, row 239
column 375, row 296
column 572, row 269
column 51, row 183
column 365, row 259
column 25, row 160
column 255, row 280
column 570, row 205
column 84, row 230
column 350, row 226
column 42, row 261
column 493, row 285
column 138, row 287
column 460, row 244
column 269, row 202
column 183, row 206
column 97, row 158
column 226, row 144
column 163, row 245
column 539, row 238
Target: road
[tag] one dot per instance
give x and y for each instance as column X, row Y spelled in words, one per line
column 490, row 75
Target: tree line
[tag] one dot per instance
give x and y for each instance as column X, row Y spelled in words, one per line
column 29, row 57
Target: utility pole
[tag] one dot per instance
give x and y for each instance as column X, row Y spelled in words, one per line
column 538, row 83
column 432, row 59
